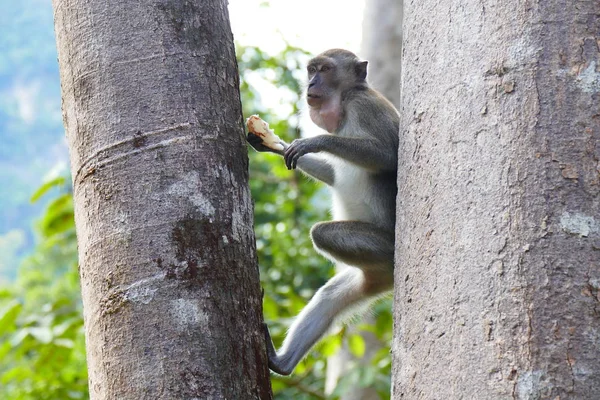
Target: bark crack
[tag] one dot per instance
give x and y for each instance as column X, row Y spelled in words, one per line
column 147, row 58
column 529, row 334
column 110, row 160
column 515, row 376
column 594, row 291
column 570, row 362
column 132, row 140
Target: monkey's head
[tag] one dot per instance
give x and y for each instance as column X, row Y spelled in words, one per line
column 333, row 72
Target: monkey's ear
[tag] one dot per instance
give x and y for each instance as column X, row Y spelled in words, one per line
column 361, row 70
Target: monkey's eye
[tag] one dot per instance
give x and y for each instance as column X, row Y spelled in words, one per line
column 325, row 68
column 311, row 69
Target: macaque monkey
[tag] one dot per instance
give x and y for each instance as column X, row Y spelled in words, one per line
column 357, row 158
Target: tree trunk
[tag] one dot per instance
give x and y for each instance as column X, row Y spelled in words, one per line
column 498, row 244
column 382, row 47
column 151, row 106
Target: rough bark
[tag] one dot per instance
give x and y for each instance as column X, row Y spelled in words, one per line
column 498, row 230
column 382, row 47
column 172, row 301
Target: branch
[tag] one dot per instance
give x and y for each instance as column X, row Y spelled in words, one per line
column 297, row 383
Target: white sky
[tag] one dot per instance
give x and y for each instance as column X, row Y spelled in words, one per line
column 313, row 25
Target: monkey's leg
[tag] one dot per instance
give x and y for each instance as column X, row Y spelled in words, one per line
column 341, row 292
column 362, row 245
column 358, row 244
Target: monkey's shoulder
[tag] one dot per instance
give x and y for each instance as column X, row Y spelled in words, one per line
column 369, row 103
column 371, row 113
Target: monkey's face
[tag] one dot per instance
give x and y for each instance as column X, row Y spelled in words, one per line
column 331, row 73
column 322, row 80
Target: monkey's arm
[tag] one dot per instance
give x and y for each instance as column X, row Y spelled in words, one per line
column 317, row 168
column 311, row 165
column 367, row 153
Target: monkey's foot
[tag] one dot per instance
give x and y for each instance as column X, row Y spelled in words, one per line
column 274, row 362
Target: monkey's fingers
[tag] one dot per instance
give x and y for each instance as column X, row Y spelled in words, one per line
column 292, row 161
column 288, row 156
column 256, row 142
column 293, row 153
column 295, row 160
column 253, row 139
column 293, row 156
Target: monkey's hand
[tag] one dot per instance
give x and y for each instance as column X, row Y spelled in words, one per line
column 298, row 148
column 257, row 144
column 261, row 138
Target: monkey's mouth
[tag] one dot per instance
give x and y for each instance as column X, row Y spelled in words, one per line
column 313, row 99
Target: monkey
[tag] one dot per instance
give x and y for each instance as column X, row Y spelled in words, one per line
column 357, row 158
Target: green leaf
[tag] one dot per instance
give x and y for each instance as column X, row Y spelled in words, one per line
column 42, row 190
column 59, row 216
column 9, row 314
column 41, row 334
column 67, row 343
column 5, row 348
column 331, row 345
column 270, row 308
column 357, row 346
column 368, row 376
column 19, row 337
column 16, row 374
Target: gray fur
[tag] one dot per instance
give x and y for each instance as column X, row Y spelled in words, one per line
column 360, row 166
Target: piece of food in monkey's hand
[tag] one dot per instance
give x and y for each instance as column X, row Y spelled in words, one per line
column 260, row 128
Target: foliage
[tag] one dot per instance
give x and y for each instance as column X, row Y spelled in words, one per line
column 41, row 325
column 30, row 121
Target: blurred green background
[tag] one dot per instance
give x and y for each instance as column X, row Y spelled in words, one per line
column 42, row 354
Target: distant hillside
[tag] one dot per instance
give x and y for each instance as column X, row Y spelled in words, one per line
column 32, row 145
